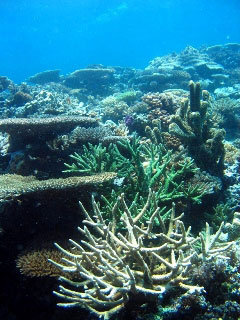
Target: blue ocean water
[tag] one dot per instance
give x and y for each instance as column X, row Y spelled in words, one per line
column 38, row 35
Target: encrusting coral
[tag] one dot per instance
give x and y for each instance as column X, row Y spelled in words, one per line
column 145, row 259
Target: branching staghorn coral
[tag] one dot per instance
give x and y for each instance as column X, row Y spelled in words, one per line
column 113, row 267
column 142, row 165
column 95, row 159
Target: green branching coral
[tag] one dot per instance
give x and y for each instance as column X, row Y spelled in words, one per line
column 140, row 165
column 192, row 124
column 94, row 159
column 222, row 212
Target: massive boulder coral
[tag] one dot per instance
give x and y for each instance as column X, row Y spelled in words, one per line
column 114, row 108
column 146, row 259
column 45, row 77
column 192, row 124
column 94, row 79
column 20, row 98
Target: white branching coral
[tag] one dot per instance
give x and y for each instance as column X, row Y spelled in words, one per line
column 144, row 259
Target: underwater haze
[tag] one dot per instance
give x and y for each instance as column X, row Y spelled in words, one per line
column 38, row 35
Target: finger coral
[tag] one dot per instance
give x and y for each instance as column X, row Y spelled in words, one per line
column 192, row 125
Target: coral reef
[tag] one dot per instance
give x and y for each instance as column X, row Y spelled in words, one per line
column 48, row 100
column 196, row 62
column 228, row 110
column 128, row 130
column 159, row 79
column 189, row 64
column 227, row 55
